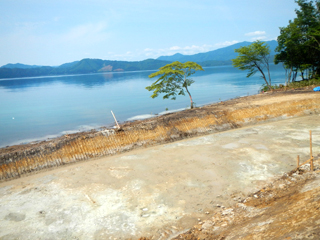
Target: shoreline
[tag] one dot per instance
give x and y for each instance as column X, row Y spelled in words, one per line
column 19, row 160
column 111, row 125
column 89, row 128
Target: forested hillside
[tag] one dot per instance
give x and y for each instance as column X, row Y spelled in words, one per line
column 82, row 67
column 217, row 57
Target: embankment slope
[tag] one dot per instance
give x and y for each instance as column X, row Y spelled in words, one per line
column 17, row 161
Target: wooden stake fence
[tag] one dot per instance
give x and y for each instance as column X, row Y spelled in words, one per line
column 102, row 144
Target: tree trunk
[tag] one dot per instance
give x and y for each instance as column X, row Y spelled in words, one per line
column 190, row 97
column 294, row 76
column 289, row 76
column 263, row 76
column 186, row 87
column 302, row 75
column 266, row 62
column 269, row 73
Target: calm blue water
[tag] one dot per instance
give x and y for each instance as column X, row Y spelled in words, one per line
column 45, row 107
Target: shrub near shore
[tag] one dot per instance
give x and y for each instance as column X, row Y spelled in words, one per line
column 310, row 83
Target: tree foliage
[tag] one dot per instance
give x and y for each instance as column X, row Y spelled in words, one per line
column 299, row 42
column 173, row 80
column 254, row 58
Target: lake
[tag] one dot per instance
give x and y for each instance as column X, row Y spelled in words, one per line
column 44, row 107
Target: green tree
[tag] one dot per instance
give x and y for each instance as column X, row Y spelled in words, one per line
column 254, row 57
column 299, row 42
column 174, row 80
column 292, row 52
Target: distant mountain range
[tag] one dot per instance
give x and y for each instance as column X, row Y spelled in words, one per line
column 82, row 67
column 221, row 54
column 217, row 57
column 19, row 65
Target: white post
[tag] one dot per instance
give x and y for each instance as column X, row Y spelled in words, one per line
column 115, row 120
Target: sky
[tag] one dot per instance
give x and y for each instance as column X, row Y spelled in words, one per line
column 53, row 32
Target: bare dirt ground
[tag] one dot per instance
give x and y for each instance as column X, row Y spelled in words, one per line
column 161, row 191
column 288, row 208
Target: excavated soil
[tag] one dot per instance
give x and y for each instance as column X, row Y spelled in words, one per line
column 288, row 208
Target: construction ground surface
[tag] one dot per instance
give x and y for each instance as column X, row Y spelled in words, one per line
column 223, row 185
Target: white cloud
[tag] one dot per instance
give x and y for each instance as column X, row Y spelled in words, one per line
column 225, row 44
column 188, row 50
column 155, row 53
column 258, row 38
column 174, row 48
column 256, row 33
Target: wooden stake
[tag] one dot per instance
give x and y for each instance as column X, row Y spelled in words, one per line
column 298, row 161
column 310, row 144
column 89, row 198
column 311, row 157
column 305, row 162
column 115, row 120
